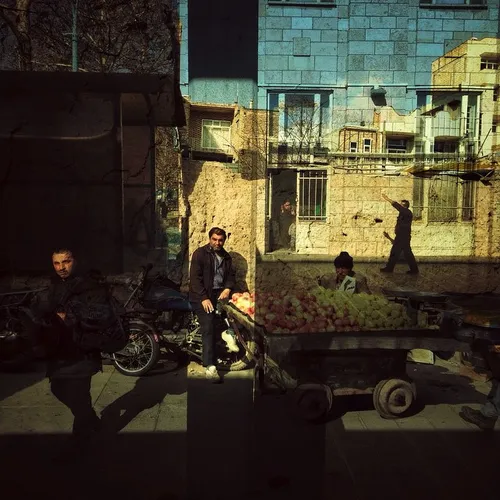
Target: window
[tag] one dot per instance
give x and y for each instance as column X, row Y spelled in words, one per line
column 453, row 3
column 418, row 198
column 446, row 147
column 312, row 195
column 396, row 145
column 445, row 199
column 496, row 93
column 300, row 119
column 467, row 200
column 216, row 135
column 489, row 63
column 494, row 125
column 353, row 147
column 367, row 145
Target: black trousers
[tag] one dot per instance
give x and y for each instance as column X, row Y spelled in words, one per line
column 75, row 394
column 207, row 326
column 402, row 245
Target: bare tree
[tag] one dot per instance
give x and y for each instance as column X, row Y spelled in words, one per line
column 138, row 36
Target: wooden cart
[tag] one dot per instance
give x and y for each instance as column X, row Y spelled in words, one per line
column 319, row 367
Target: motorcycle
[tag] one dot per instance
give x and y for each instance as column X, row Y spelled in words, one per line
column 16, row 346
column 164, row 321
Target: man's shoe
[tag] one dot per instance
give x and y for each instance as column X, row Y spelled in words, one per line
column 230, row 340
column 385, row 270
column 212, row 374
column 477, row 418
column 412, row 272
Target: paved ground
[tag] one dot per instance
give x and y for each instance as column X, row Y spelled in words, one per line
column 173, row 435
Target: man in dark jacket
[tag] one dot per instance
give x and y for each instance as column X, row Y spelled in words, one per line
column 71, row 364
column 211, row 279
column 401, row 242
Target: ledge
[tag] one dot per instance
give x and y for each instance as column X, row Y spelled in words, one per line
column 301, row 4
column 453, row 6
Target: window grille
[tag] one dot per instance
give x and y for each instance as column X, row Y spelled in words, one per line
column 312, row 195
column 443, row 198
column 418, row 198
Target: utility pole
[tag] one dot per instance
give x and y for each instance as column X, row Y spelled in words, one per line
column 74, row 38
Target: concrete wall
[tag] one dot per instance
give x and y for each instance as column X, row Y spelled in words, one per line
column 219, row 64
column 215, row 195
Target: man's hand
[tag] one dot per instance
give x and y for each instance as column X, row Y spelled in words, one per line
column 386, row 198
column 207, row 306
column 62, row 315
column 386, row 234
column 225, row 294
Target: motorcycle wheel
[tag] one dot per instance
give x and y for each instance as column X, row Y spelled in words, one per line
column 140, row 355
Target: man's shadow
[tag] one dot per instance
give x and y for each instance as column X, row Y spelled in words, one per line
column 147, row 393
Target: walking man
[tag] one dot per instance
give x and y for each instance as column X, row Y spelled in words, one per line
column 401, row 242
column 211, row 279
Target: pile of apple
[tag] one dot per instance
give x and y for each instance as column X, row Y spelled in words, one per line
column 321, row 310
column 300, row 312
column 370, row 312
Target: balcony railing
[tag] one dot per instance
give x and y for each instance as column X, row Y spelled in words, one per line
column 286, row 154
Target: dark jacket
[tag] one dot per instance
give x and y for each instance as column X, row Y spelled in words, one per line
column 201, row 273
column 403, row 224
column 69, row 352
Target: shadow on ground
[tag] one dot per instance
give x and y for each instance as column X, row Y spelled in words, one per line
column 226, row 445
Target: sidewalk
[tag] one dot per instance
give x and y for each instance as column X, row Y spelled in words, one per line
column 181, row 437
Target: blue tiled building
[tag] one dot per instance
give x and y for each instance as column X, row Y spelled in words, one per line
column 355, row 86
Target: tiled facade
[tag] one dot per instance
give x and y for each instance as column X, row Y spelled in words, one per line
column 372, row 82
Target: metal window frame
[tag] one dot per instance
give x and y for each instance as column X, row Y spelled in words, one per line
column 305, row 175
column 465, row 197
column 214, row 127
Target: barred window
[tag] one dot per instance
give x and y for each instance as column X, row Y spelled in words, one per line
column 443, row 199
column 468, row 200
column 312, row 195
column 418, row 197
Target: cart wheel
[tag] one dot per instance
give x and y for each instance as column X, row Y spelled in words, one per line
column 313, row 402
column 393, row 397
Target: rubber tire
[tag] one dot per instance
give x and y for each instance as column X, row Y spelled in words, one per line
column 152, row 362
column 383, row 392
column 246, row 361
column 313, row 404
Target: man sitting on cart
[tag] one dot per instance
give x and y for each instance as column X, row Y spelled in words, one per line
column 345, row 279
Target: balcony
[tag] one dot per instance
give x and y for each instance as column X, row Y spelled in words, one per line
column 222, row 152
column 293, row 153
